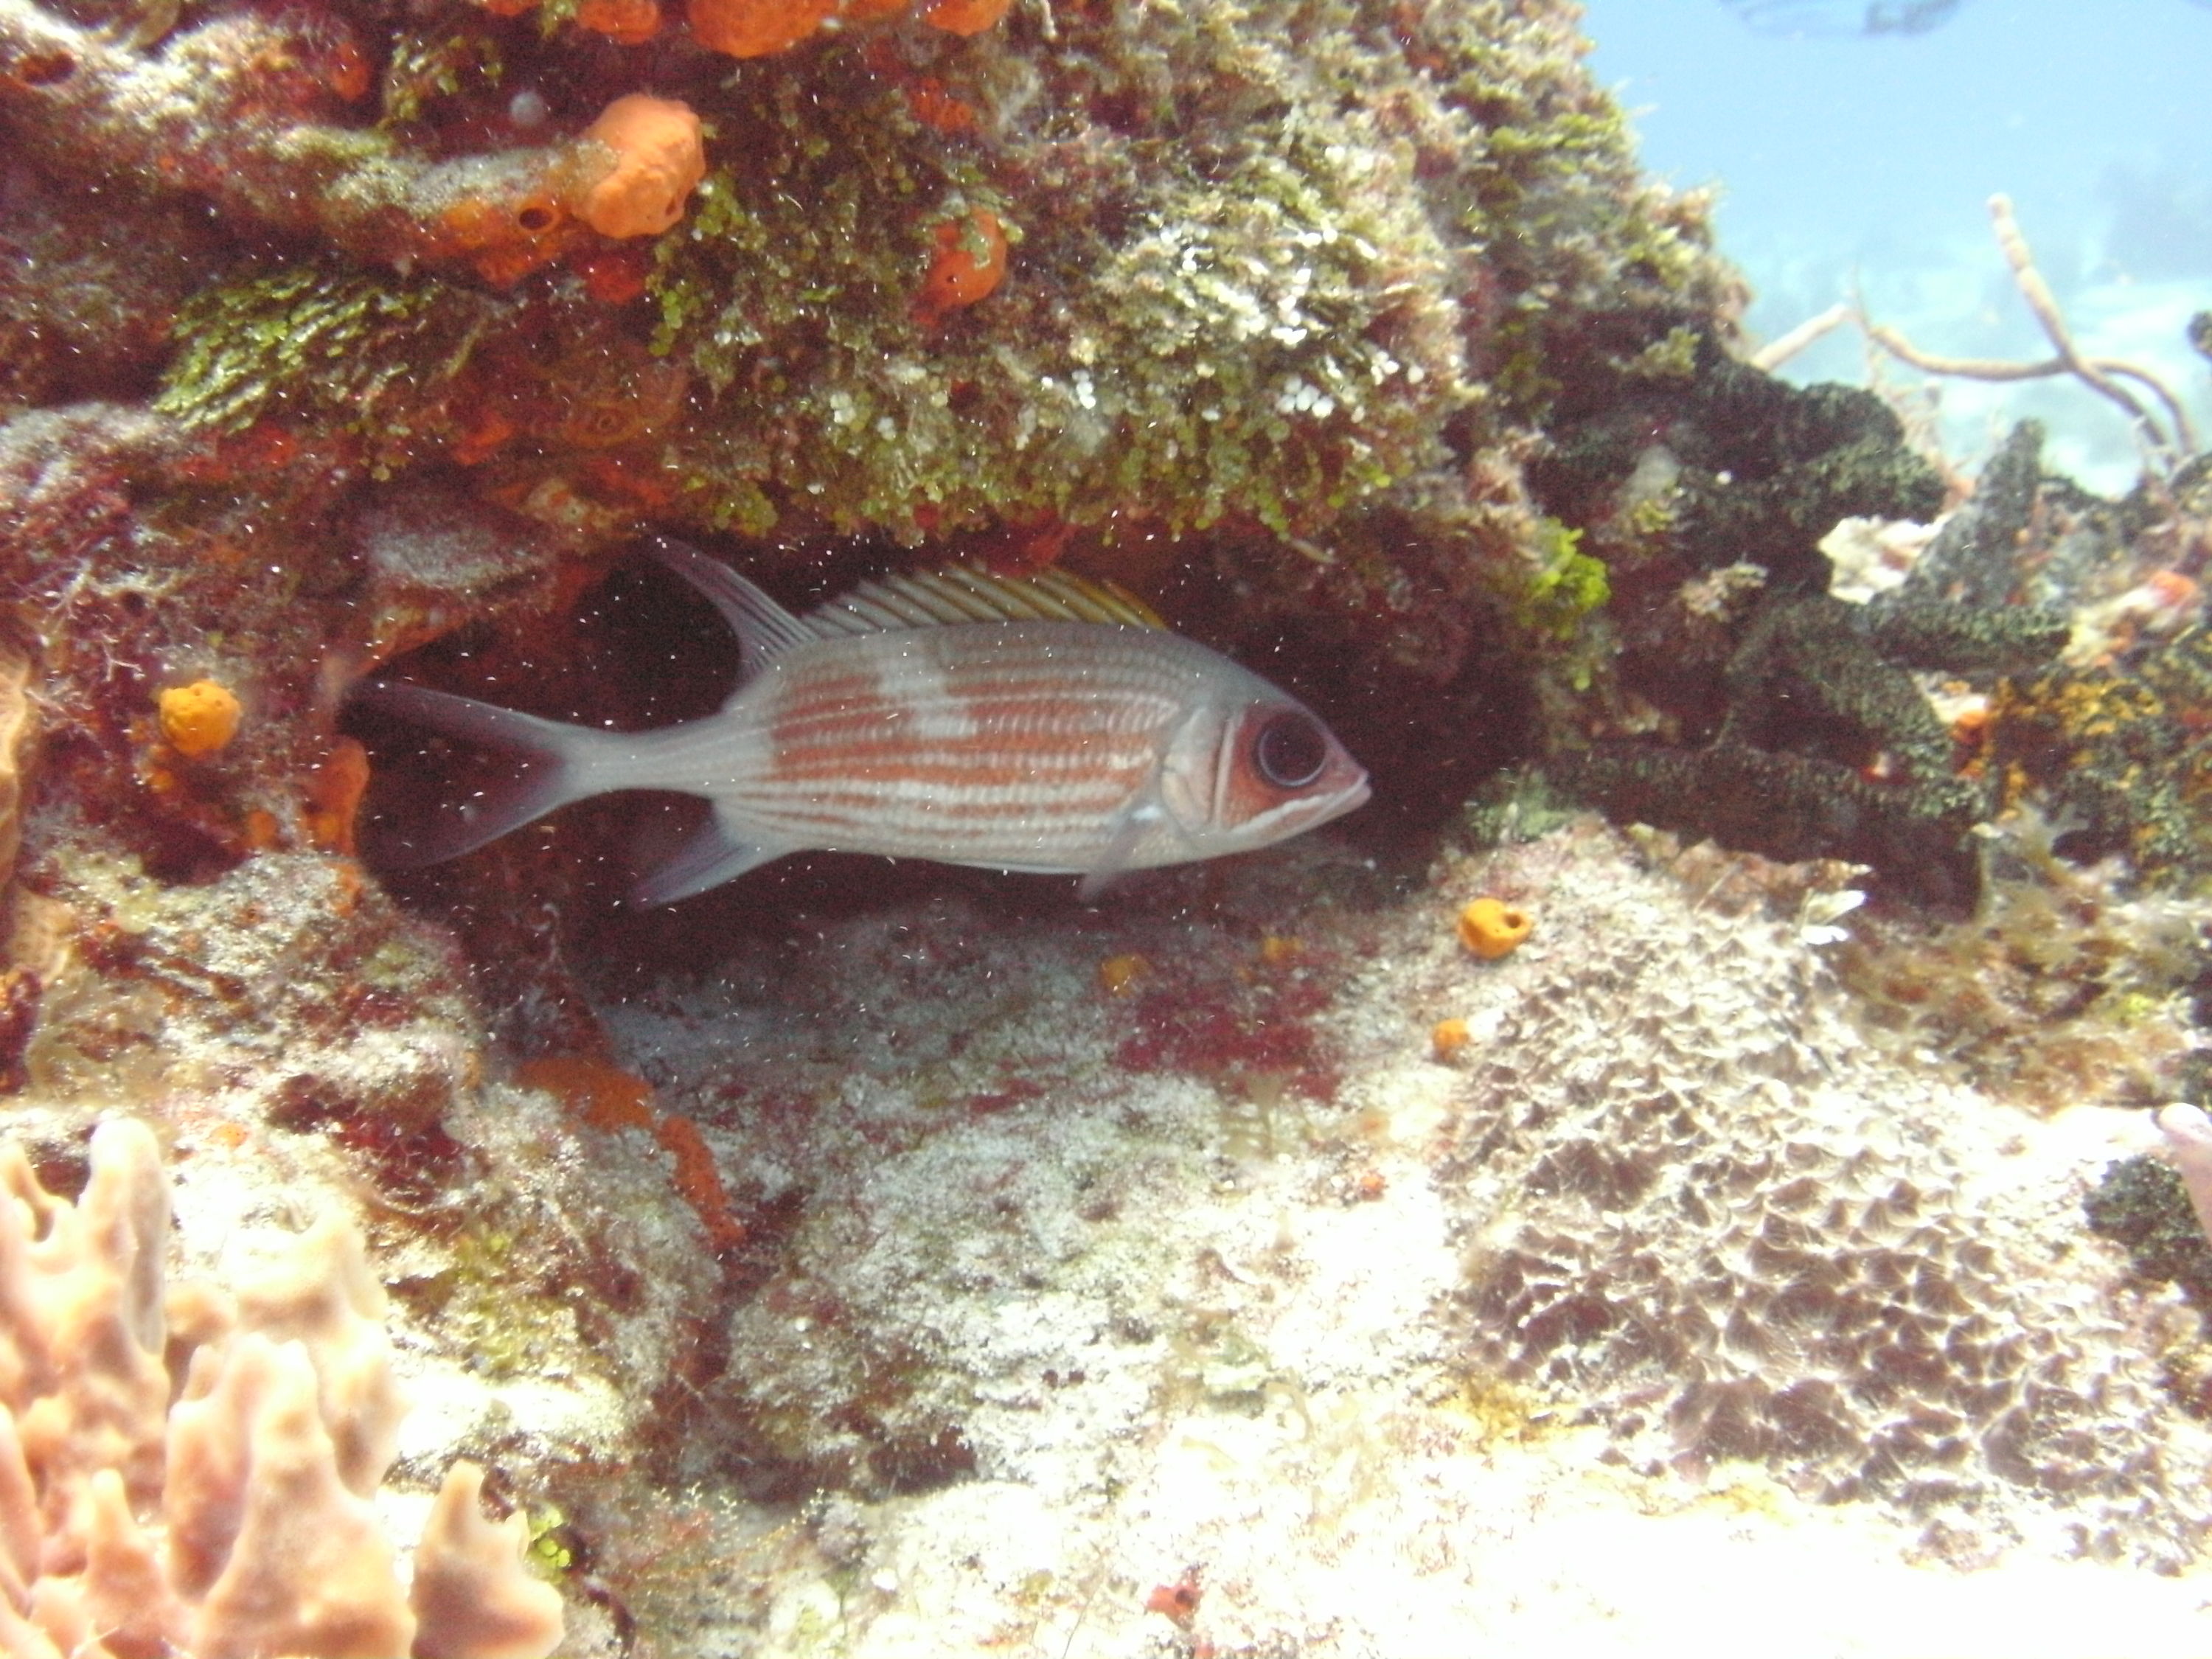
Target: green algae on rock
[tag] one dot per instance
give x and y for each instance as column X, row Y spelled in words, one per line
column 322, row 343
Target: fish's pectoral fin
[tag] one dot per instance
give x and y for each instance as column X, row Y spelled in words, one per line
column 764, row 628
column 718, row 851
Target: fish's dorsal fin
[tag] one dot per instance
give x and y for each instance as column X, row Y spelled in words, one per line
column 972, row 593
column 764, row 628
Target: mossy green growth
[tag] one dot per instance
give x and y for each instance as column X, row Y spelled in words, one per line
column 1568, row 585
column 438, row 61
column 548, row 1550
column 1674, row 356
column 1551, row 201
column 1517, row 806
column 324, row 343
column 1218, row 353
column 507, row 1329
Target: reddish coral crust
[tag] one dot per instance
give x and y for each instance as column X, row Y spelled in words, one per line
column 603, row 1096
column 334, row 793
column 754, row 29
column 963, row 17
column 625, row 22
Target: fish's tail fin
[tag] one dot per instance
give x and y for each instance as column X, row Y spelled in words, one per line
column 555, row 764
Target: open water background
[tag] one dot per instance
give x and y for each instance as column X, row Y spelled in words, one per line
column 1872, row 159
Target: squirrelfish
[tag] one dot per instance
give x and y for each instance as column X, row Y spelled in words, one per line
column 1039, row 723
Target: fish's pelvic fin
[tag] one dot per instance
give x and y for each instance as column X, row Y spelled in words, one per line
column 551, row 769
column 718, row 851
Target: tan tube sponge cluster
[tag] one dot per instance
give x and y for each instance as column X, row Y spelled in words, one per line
column 223, row 1512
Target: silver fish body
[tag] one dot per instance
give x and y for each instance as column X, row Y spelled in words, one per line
column 1018, row 724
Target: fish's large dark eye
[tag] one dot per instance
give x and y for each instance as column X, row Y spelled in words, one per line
column 1291, row 750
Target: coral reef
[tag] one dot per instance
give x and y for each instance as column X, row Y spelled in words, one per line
column 912, row 1261
column 2110, row 740
column 235, row 1521
column 1357, row 287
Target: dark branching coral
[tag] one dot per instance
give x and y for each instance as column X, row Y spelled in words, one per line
column 1819, row 743
column 2141, row 1205
column 1685, row 459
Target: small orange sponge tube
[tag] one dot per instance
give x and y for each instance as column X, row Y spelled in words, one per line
column 199, row 718
column 655, row 157
column 1492, row 928
column 968, row 260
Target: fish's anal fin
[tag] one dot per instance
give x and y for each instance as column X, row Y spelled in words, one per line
column 716, row 852
column 764, row 628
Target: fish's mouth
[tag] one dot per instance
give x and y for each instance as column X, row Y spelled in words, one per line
column 1350, row 798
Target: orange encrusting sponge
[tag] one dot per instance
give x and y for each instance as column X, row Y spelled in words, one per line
column 969, row 262
column 754, row 29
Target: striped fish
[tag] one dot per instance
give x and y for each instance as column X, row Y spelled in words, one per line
column 1038, row 723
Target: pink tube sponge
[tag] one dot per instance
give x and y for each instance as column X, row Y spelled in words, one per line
column 2188, row 1134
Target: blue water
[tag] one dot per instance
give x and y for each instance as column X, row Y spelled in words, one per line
column 1872, row 159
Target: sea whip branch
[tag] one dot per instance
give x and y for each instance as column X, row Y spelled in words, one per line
column 2170, row 442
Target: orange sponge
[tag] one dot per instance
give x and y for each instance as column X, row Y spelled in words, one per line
column 970, row 261
column 753, row 28
column 1492, row 928
column 199, row 718
column 963, row 17
column 654, row 158
column 625, row 22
